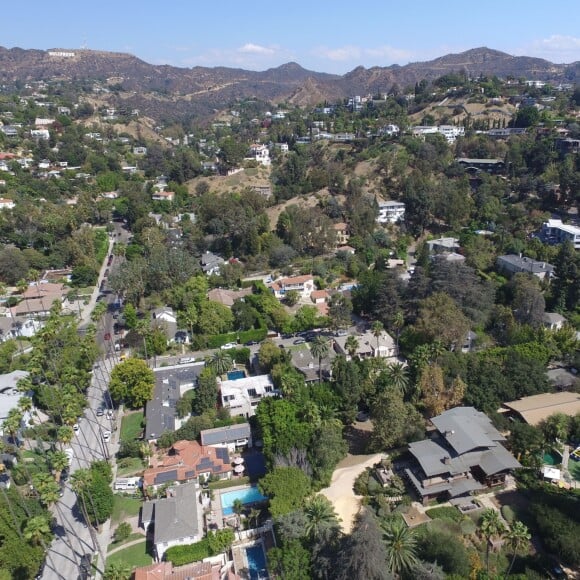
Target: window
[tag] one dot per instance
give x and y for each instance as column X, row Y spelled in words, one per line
column 268, row 389
column 252, row 393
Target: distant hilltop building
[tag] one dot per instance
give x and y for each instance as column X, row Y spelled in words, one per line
column 61, row 54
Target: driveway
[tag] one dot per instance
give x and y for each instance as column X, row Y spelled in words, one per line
column 340, row 492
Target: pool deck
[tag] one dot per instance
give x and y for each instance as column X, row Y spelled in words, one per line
column 217, row 512
column 241, row 564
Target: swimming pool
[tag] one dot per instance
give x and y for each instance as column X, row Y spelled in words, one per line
column 552, row 457
column 246, row 495
column 256, row 563
column 235, row 375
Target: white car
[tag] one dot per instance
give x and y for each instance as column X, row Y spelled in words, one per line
column 106, row 436
column 186, row 359
column 76, row 427
column 229, row 346
column 70, row 454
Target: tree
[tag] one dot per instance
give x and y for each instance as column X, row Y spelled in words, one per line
column 340, row 311
column 527, row 444
column 363, row 553
column 117, row 571
column 37, row 530
column 220, row 362
column 351, row 344
column 491, row 525
column 132, row 381
column 398, row 377
column 320, row 517
column 377, row 328
column 401, row 545
column 319, row 348
column 292, row 297
column 47, row 489
column 436, row 395
column 58, row 462
column 290, row 562
column 287, row 487
column 528, row 301
column 123, row 531
column 518, row 538
column 205, row 395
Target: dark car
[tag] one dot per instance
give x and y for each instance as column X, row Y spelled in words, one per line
column 251, row 343
column 299, row 341
column 107, row 336
column 85, row 567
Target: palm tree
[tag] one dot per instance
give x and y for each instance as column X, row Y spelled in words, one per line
column 58, row 461
column 65, row 435
column 220, row 362
column 398, row 377
column 517, row 538
column 238, row 507
column 47, row 489
column 491, row 525
column 254, row 515
column 320, row 516
column 377, row 329
column 12, row 423
column 37, row 529
column 117, row 571
column 351, row 344
column 398, row 323
column 319, row 349
column 400, row 544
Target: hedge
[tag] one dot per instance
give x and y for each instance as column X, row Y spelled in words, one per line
column 445, row 512
column 218, row 340
column 180, row 555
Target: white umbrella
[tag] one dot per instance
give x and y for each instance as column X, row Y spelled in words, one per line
column 239, row 468
column 238, row 460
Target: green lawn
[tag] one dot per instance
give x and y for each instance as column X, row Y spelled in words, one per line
column 574, row 469
column 129, row 466
column 124, row 507
column 114, row 545
column 133, row 556
column 131, row 426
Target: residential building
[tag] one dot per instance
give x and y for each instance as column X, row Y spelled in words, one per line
column 260, row 153
column 341, row 231
column 241, row 396
column 139, row 150
column 307, row 365
column 555, row 232
column 443, row 245
column 197, row 571
column 463, row 455
column 568, row 145
column 369, row 346
column 304, row 285
column 211, row 263
column 233, row 437
column 165, row 319
column 187, row 461
column 451, row 132
column 10, row 395
column 477, row 165
column 170, row 385
column 391, row 212
column 389, row 130
column 18, row 327
column 554, row 321
column 38, row 299
column 163, row 196
column 6, row 203
column 514, row 264
column 537, row 408
column 174, row 520
column 227, row 297
column 421, row 130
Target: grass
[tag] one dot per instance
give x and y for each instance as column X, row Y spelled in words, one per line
column 445, row 512
column 229, row 483
column 124, row 507
column 129, row 466
column 133, row 556
column 574, row 469
column 130, row 538
column 131, row 426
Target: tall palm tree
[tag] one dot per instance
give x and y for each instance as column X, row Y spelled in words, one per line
column 319, row 348
column 254, row 515
column 58, row 462
column 400, row 544
column 377, row 328
column 398, row 377
column 12, row 423
column 398, row 323
column 320, row 516
column 491, row 525
column 351, row 344
column 37, row 529
column 220, row 362
column 517, row 539
column 47, row 489
column 65, row 435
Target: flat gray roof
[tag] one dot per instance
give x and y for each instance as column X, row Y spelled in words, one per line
column 228, row 434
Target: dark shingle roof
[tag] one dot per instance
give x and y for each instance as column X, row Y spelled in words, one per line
column 227, row 434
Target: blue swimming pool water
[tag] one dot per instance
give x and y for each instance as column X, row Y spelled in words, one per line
column 256, row 563
column 247, row 495
column 235, row 375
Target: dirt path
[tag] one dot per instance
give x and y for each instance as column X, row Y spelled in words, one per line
column 340, row 492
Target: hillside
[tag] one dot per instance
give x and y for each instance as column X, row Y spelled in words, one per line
column 171, row 92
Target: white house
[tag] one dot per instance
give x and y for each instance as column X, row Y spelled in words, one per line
column 369, row 346
column 260, row 153
column 451, row 132
column 234, row 437
column 304, row 285
column 6, row 203
column 163, row 196
column 391, row 212
column 241, row 396
column 556, row 232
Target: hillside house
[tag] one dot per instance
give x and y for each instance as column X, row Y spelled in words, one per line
column 556, row 232
column 241, row 396
column 391, row 212
column 512, row 264
column 304, row 285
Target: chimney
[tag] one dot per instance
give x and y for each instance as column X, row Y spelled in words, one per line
column 447, row 460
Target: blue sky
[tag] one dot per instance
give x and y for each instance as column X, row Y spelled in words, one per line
column 326, row 36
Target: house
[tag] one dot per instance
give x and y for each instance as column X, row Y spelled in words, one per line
column 422, row 130
column 346, row 250
column 451, row 132
column 554, row 321
column 163, row 196
column 443, row 245
column 283, row 147
column 40, row 134
column 556, row 232
column 260, row 153
column 513, row 264
column 165, row 319
column 10, row 395
column 369, row 346
column 463, row 455
column 38, row 299
column 389, row 130
column 304, row 285
column 234, row 437
column 391, row 212
column 187, row 461
column 170, row 385
column 341, row 231
column 241, row 396
column 174, row 520
column 139, row 150
column 18, row 327
column 307, row 365
column 536, row 408
column 197, row 571
column 320, row 299
column 476, row 165
column 211, row 263
column 227, row 297
column 6, row 203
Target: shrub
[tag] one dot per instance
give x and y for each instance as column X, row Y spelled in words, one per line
column 122, row 532
column 508, row 514
column 447, row 512
column 180, row 555
column 468, row 527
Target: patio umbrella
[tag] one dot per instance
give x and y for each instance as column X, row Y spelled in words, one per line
column 239, row 468
column 238, row 460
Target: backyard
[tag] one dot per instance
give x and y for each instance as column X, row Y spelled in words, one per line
column 124, row 507
column 131, row 426
column 134, row 556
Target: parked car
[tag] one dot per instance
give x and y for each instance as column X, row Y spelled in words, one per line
column 228, row 346
column 107, row 336
column 299, row 341
column 342, row 332
column 251, row 342
column 100, row 412
column 106, row 436
column 186, row 359
column 76, row 428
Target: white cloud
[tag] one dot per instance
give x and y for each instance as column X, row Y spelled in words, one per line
column 383, row 55
column 556, row 48
column 251, row 48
